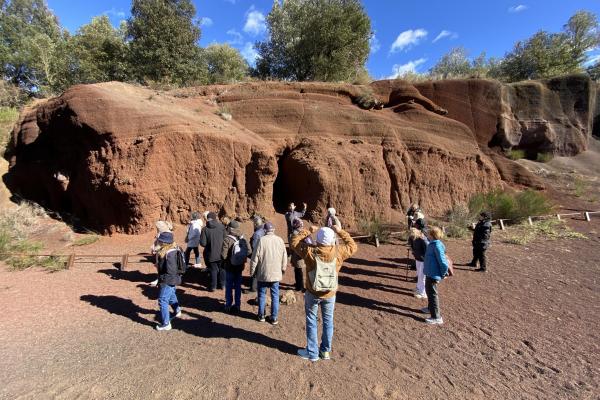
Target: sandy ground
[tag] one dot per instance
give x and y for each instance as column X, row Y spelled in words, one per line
column 526, row 329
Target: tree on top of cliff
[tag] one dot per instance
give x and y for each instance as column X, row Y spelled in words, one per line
column 225, row 64
column 456, row 64
column 163, row 41
column 550, row 54
column 325, row 40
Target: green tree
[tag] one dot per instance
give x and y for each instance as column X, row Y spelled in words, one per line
column 100, row 52
column 550, row 54
column 594, row 71
column 225, row 64
column 163, row 38
column 30, row 40
column 326, row 40
column 456, row 64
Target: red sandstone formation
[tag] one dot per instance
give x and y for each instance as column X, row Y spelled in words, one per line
column 119, row 157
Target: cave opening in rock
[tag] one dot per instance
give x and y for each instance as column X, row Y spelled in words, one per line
column 282, row 193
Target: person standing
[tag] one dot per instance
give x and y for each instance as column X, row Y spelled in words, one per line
column 269, row 261
column 161, row 226
column 297, row 261
column 436, row 268
column 323, row 263
column 169, row 278
column 234, row 254
column 331, row 219
column 211, row 239
column 291, row 215
column 481, row 241
column 418, row 244
column 259, row 231
column 192, row 239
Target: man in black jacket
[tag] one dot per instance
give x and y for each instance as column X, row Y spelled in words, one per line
column 212, row 240
column 169, row 278
column 481, row 241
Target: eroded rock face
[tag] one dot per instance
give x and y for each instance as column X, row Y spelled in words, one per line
column 120, row 157
column 552, row 116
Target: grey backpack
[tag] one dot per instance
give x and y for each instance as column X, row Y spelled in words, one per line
column 324, row 277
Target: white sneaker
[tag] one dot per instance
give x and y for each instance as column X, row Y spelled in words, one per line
column 163, row 327
column 304, row 354
column 425, row 310
column 154, row 283
column 434, row 321
column 177, row 314
column 199, row 266
column 420, row 296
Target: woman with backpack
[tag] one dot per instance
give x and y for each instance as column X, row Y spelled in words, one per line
column 234, row 254
column 323, row 263
column 170, row 264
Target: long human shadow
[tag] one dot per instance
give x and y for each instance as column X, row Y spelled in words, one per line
column 369, row 263
column 400, row 276
column 367, row 285
column 355, row 300
column 200, row 325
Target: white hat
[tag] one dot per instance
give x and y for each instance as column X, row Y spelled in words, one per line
column 326, row 236
column 331, row 211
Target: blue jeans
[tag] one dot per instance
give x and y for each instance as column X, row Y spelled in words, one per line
column 311, row 307
column 262, row 298
column 166, row 298
column 233, row 281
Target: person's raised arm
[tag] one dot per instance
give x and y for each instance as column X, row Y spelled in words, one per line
column 349, row 247
column 298, row 244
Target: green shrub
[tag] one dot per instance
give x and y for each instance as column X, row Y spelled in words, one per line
column 505, row 205
column 516, row 154
column 86, row 240
column 548, row 229
column 544, row 157
column 374, row 227
column 366, row 100
column 458, row 218
column 8, row 117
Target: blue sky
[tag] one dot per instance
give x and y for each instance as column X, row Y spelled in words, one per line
column 409, row 35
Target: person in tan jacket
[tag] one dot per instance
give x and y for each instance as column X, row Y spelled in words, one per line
column 326, row 251
column 269, row 262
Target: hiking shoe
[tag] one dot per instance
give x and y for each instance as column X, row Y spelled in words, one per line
column 177, row 313
column 303, row 353
column 434, row 321
column 227, row 309
column 273, row 321
column 234, row 310
column 154, row 283
column 324, row 355
column 481, row 270
column 166, row 327
column 261, row 318
column 425, row 310
column 420, row 296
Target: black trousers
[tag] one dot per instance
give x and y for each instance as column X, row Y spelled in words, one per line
column 433, row 301
column 479, row 256
column 188, row 252
column 299, row 278
column 217, row 275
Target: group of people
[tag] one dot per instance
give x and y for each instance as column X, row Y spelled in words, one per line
column 432, row 263
column 316, row 262
column 316, row 254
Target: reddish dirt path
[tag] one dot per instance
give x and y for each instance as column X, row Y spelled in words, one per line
column 527, row 329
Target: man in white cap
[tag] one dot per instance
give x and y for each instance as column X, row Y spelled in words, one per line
column 323, row 263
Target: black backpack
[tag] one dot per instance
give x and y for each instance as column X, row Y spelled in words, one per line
column 179, row 257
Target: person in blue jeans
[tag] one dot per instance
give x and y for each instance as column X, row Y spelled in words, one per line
column 437, row 267
column 234, row 254
column 326, row 251
column 168, row 279
column 269, row 262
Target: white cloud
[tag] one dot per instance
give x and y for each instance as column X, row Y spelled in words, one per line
column 236, row 37
column 255, row 22
column 115, row 13
column 518, row 8
column 401, row 69
column 374, row 44
column 407, row 39
column 206, row 21
column 445, row 34
column 249, row 53
column 592, row 60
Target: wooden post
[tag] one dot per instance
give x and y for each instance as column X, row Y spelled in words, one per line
column 558, row 216
column 124, row 262
column 71, row 261
column 376, row 240
column 501, row 224
column 530, row 220
column 587, row 216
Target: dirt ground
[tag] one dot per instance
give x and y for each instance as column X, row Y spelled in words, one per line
column 526, row 329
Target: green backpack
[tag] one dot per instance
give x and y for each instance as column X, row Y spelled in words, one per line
column 324, row 277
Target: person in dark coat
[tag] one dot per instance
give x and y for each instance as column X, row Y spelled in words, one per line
column 169, row 278
column 211, row 239
column 233, row 270
column 291, row 215
column 297, row 261
column 481, row 241
column 418, row 242
column 259, row 232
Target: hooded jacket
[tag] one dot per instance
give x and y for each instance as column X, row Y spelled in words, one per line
column 228, row 242
column 482, row 233
column 193, row 233
column 211, row 239
column 269, row 259
column 167, row 268
column 436, row 264
column 325, row 253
